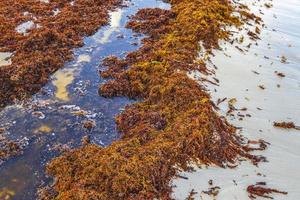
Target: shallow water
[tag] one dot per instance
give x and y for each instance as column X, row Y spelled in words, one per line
column 237, row 79
column 53, row 119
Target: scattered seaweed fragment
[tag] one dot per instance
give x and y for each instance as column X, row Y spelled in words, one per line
column 191, row 195
column 283, row 59
column 212, row 191
column 48, row 44
column 280, row 74
column 260, row 190
column 174, row 124
column 286, row 125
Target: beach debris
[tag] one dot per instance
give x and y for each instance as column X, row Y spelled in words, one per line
column 286, row 125
column 262, row 87
column 280, row 74
column 253, row 35
column 231, row 104
column 181, row 176
column 262, row 145
column 191, row 195
column 283, row 59
column 260, row 190
column 239, row 48
column 219, row 101
column 268, row 5
column 212, row 191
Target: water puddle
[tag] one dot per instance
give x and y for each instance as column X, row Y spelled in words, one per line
column 114, row 27
column 56, row 118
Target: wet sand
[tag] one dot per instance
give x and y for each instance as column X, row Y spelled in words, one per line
column 239, row 79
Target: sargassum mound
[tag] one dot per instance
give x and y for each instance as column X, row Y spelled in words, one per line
column 174, row 124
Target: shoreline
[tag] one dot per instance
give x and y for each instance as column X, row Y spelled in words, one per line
column 240, row 74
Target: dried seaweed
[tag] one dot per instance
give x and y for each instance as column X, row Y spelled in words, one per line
column 174, row 124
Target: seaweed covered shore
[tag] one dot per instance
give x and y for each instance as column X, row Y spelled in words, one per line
column 41, row 36
column 174, row 124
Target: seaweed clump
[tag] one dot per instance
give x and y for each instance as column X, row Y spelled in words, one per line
column 174, row 124
column 59, row 26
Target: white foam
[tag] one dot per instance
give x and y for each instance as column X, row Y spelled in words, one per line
column 83, row 58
